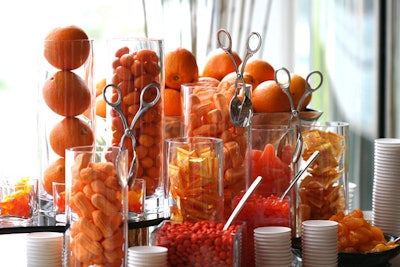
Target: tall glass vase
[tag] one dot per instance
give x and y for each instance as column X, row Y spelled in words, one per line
column 133, row 64
column 66, row 112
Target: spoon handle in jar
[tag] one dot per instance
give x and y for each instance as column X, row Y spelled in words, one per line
column 240, row 205
column 300, row 173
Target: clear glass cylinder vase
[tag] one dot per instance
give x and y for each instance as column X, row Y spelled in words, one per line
column 206, row 113
column 66, row 112
column 135, row 63
column 96, row 206
column 322, row 192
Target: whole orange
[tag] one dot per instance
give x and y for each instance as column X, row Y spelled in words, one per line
column 180, row 67
column 260, row 69
column 268, row 97
column 66, row 48
column 55, row 172
column 100, row 86
column 172, row 102
column 70, row 132
column 227, row 85
column 101, row 106
column 66, row 94
column 218, row 64
column 297, row 89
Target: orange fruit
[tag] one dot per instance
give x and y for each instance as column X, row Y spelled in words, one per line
column 66, row 48
column 269, row 97
column 180, row 67
column 172, row 102
column 70, row 132
column 297, row 89
column 100, row 86
column 260, row 69
column 229, row 80
column 218, row 64
column 101, row 106
column 66, row 94
column 227, row 84
column 55, row 172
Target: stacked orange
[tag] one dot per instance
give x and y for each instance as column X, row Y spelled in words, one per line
column 67, row 95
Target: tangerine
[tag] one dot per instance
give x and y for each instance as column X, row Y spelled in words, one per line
column 218, row 64
column 172, row 102
column 70, row 132
column 66, row 48
column 66, row 94
column 260, row 69
column 180, row 67
column 55, row 172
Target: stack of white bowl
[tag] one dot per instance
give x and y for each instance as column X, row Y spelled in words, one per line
column 386, row 185
column 272, row 245
column 319, row 243
column 44, row 249
column 147, row 256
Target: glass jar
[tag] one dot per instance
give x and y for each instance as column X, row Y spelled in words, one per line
column 135, row 63
column 206, row 113
column 66, row 112
column 96, row 206
column 322, row 192
column 194, row 178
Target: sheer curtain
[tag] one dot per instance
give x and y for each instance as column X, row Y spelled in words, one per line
column 193, row 24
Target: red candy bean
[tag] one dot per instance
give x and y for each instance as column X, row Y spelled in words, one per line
column 201, row 243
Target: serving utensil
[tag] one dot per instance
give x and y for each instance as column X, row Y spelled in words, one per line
column 283, row 79
column 240, row 112
column 300, row 173
column 241, row 203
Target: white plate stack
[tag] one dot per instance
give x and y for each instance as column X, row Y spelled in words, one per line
column 44, row 249
column 386, row 186
column 147, row 256
column 272, row 246
column 319, row 243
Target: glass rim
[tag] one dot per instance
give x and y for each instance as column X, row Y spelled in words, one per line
column 199, row 139
column 95, row 148
column 137, row 38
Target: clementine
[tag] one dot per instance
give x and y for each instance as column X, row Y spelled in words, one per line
column 172, row 102
column 218, row 64
column 66, row 48
column 55, row 172
column 260, row 69
column 180, row 67
column 66, row 94
column 70, row 132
